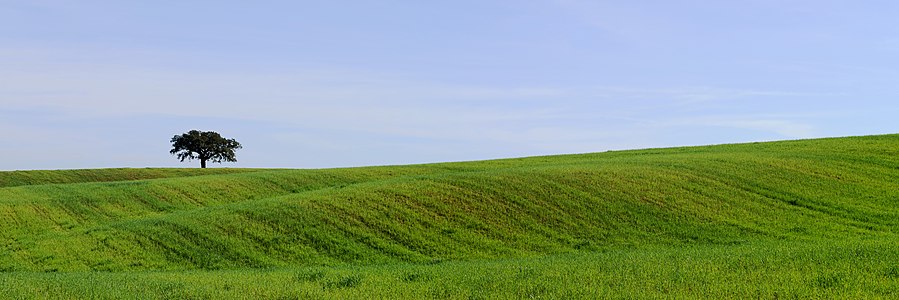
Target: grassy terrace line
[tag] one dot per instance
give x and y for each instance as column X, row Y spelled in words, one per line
column 570, row 211
column 19, row 178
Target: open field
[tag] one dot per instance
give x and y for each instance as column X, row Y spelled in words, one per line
column 857, row 269
column 810, row 218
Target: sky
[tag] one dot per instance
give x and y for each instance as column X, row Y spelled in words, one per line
column 318, row 84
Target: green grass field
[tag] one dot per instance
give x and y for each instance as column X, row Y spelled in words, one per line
column 793, row 219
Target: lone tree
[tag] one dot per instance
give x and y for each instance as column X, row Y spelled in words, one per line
column 204, row 145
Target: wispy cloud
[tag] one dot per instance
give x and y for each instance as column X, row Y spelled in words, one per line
column 364, row 101
column 403, row 118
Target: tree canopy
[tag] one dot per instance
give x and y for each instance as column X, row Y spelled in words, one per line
column 204, row 146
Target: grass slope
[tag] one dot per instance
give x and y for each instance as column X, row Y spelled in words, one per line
column 19, row 178
column 809, row 192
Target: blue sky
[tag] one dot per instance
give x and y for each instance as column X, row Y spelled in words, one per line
column 302, row 84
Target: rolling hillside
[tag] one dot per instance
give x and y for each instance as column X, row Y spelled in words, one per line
column 41, row 177
column 177, row 220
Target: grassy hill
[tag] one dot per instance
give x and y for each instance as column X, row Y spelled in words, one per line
column 19, row 178
column 836, row 195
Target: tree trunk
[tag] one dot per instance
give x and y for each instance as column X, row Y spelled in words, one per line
column 203, row 163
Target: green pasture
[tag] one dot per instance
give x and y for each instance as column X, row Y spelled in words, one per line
column 793, row 219
column 857, row 269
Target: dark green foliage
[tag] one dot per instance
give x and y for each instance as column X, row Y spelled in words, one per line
column 310, row 275
column 204, row 146
column 344, row 282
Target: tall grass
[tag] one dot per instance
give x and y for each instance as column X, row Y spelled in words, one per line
column 855, row 269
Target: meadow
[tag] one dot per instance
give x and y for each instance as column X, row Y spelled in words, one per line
column 858, row 269
column 791, row 219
